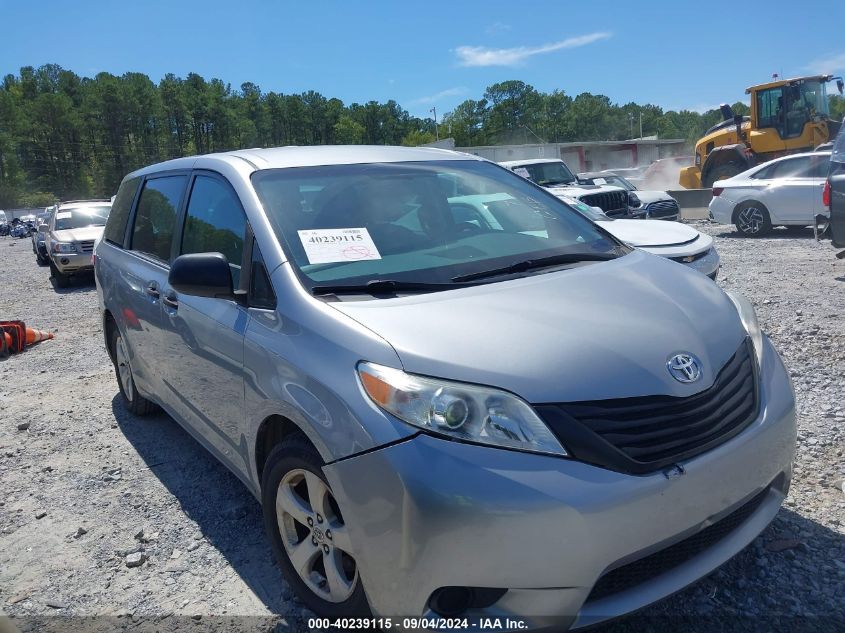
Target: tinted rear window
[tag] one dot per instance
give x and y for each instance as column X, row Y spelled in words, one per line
column 116, row 226
column 155, row 218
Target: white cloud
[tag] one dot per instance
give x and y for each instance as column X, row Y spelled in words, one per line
column 484, row 56
column 449, row 92
column 829, row 64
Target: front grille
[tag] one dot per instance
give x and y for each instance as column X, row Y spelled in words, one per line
column 662, row 209
column 651, row 566
column 688, row 259
column 644, row 434
column 87, row 246
column 608, row 201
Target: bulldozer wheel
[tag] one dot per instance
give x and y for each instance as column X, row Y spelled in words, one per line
column 728, row 170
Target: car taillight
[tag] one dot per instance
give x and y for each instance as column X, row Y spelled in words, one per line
column 717, row 191
column 826, row 194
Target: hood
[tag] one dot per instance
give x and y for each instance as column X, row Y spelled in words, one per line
column 79, row 235
column 576, row 191
column 642, row 233
column 647, row 197
column 603, row 330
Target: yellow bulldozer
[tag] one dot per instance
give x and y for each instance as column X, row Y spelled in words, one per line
column 787, row 116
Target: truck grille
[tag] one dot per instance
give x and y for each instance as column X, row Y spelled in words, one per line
column 644, row 434
column 87, row 246
column 644, row 569
column 608, row 201
column 662, row 209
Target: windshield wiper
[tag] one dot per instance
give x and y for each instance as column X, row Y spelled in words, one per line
column 540, row 262
column 385, row 286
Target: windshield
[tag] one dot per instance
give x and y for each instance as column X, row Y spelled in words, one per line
column 80, row 217
column 814, row 98
column 425, row 222
column 546, row 174
column 614, row 180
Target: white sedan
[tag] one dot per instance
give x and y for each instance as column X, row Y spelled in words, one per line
column 673, row 240
column 784, row 192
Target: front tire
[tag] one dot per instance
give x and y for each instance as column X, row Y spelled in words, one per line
column 722, row 172
column 132, row 400
column 752, row 219
column 61, row 280
column 307, row 532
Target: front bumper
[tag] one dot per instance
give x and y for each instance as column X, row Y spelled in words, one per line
column 707, row 265
column 69, row 263
column 428, row 513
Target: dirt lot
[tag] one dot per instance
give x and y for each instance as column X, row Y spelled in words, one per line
column 107, row 485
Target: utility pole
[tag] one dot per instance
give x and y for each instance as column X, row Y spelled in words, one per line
column 641, row 124
column 631, row 121
column 436, row 132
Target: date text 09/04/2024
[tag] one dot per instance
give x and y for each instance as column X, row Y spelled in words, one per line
column 429, row 624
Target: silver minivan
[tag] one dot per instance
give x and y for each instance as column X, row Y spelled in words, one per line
column 445, row 413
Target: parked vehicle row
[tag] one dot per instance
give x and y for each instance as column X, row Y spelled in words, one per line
column 625, row 211
column 420, row 362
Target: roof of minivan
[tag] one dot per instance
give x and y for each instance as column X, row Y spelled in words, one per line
column 314, row 156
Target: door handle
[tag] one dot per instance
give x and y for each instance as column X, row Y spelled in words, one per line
column 170, row 300
column 152, row 290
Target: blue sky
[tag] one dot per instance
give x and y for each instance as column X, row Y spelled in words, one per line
column 422, row 54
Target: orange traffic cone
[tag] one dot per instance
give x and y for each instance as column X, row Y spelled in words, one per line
column 36, row 336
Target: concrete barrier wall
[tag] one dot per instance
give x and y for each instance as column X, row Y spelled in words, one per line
column 692, row 198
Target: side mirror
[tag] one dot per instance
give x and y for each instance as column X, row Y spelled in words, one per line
column 202, row 275
column 43, row 228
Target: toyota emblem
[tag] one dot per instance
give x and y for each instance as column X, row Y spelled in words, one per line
column 684, row 367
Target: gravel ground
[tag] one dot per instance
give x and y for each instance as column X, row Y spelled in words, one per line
column 111, row 489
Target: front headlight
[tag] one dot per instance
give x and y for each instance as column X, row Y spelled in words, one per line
column 64, row 247
column 458, row 410
column 633, row 200
column 749, row 321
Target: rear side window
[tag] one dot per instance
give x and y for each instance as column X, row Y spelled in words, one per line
column 215, row 223
column 792, row 168
column 155, row 218
column 115, row 229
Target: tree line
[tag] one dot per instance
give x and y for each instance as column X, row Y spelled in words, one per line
column 65, row 136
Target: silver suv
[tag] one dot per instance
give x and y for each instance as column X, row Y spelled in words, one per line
column 69, row 237
column 443, row 412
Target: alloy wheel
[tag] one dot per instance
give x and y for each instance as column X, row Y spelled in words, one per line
column 314, row 536
column 123, row 369
column 750, row 220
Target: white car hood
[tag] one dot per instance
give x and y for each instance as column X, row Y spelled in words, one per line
column 647, row 197
column 669, row 239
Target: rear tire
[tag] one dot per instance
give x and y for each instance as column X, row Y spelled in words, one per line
column 61, row 281
column 752, row 219
column 132, row 400
column 303, row 522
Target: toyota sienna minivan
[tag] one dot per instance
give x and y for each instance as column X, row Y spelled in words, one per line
column 445, row 413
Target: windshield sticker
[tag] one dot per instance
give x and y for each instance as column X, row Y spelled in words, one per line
column 521, row 171
column 329, row 246
column 599, row 181
column 63, row 215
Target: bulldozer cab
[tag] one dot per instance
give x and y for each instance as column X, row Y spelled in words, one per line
column 787, row 107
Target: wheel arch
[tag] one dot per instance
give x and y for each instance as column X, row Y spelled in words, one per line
column 272, row 431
